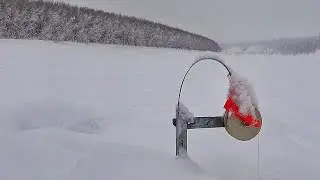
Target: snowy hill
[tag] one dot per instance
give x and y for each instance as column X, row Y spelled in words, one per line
column 83, row 112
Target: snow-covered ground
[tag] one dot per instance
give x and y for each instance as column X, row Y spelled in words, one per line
column 84, row 112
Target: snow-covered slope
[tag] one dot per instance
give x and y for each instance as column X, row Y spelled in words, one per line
column 82, row 112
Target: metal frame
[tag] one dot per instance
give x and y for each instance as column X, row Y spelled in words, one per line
column 183, row 123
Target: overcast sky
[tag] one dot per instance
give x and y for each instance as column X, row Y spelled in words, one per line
column 224, row 20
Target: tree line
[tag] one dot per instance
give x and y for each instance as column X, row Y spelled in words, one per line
column 58, row 21
column 285, row 46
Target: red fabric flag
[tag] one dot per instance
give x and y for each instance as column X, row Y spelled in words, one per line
column 247, row 119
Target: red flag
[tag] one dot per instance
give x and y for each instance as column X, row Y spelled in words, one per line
column 247, row 119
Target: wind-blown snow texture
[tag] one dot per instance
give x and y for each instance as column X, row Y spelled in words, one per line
column 83, row 112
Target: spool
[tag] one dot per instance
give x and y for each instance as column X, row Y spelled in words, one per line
column 237, row 129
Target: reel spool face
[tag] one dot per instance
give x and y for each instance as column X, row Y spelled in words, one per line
column 237, row 129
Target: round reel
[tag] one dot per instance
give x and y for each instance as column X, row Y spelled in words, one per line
column 237, row 129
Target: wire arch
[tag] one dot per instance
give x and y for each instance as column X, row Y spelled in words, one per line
column 193, row 64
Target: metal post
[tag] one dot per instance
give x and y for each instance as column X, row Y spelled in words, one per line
column 181, row 136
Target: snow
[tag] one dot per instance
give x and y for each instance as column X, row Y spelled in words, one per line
column 81, row 112
column 242, row 91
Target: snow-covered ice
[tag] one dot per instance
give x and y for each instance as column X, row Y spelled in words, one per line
column 82, row 112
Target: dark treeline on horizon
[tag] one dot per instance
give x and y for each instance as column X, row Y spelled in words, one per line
column 58, row 21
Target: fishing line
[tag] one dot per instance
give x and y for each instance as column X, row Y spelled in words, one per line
column 258, row 157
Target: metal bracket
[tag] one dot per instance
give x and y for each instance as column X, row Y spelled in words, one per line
column 197, row 122
column 203, row 122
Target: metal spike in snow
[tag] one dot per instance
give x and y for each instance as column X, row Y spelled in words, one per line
column 233, row 124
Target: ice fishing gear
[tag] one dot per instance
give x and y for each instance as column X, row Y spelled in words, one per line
column 241, row 119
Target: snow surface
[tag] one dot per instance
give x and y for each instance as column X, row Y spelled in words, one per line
column 84, row 112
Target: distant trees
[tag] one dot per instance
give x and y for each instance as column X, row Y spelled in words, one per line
column 295, row 46
column 285, row 46
column 57, row 21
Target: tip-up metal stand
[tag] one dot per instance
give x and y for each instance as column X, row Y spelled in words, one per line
column 197, row 122
column 184, row 120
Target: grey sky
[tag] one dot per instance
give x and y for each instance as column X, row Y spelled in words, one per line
column 224, row 20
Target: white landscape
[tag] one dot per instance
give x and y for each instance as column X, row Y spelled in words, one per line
column 101, row 112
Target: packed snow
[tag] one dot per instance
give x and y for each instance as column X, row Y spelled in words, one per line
column 83, row 112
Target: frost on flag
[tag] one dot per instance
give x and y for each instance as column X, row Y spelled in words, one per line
column 242, row 118
column 242, row 100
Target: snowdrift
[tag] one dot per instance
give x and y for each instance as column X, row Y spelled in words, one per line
column 80, row 112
